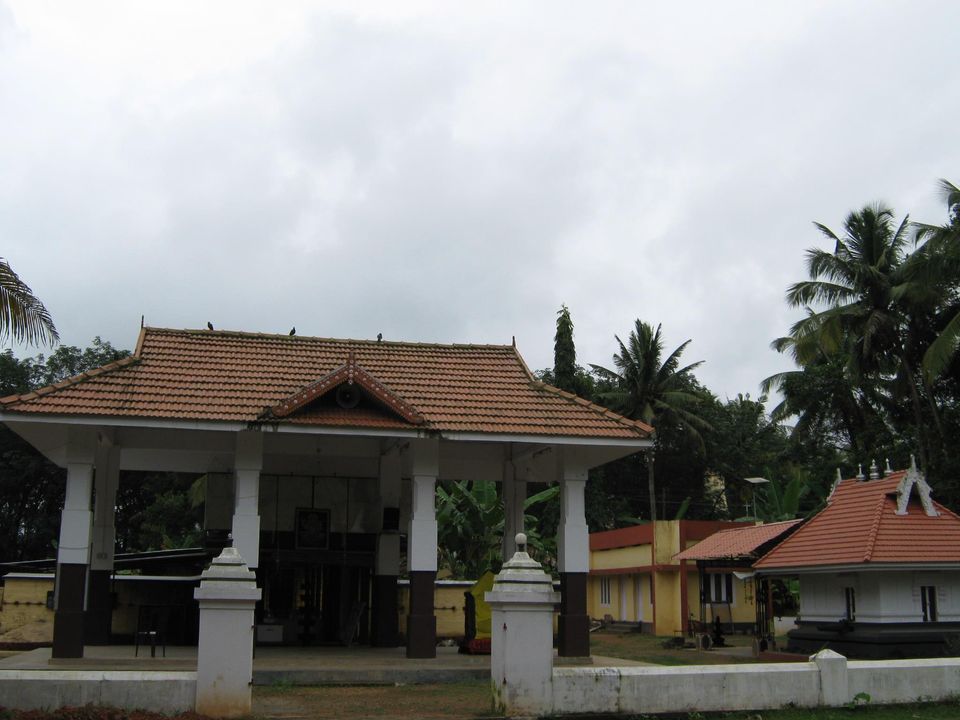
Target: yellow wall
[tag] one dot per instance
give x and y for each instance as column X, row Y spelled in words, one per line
column 667, row 613
column 448, row 603
column 666, row 541
column 743, row 607
column 25, row 601
column 626, row 557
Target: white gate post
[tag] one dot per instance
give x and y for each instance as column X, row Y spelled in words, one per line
column 521, row 664
column 227, row 594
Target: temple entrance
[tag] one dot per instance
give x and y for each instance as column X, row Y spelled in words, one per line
column 310, row 603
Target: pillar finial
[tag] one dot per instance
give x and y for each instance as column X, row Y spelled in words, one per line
column 874, row 470
column 860, row 476
column 521, row 541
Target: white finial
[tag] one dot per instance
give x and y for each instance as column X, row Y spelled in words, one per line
column 874, row 470
column 887, row 470
column 913, row 462
column 521, row 540
column 860, row 476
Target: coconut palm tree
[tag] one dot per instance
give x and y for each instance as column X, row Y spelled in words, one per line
column 863, row 305
column 22, row 316
column 646, row 387
column 936, row 266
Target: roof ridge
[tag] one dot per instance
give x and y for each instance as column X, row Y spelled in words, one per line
column 70, row 381
column 294, row 338
column 600, row 409
column 875, row 527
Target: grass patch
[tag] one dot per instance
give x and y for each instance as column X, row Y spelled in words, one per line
column 649, row 649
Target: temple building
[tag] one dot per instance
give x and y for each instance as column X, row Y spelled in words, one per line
column 321, row 459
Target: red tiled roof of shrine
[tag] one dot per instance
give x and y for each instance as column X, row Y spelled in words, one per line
column 741, row 542
column 860, row 526
column 203, row 375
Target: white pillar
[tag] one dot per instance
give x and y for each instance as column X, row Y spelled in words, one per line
column 573, row 556
column 422, row 537
column 248, row 462
column 834, row 686
column 521, row 644
column 99, row 610
column 73, row 552
column 388, row 543
column 422, row 550
column 514, row 496
column 106, row 482
column 384, row 623
column 573, row 548
column 227, row 595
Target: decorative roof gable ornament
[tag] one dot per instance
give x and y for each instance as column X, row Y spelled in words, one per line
column 914, row 478
column 836, row 483
column 344, row 378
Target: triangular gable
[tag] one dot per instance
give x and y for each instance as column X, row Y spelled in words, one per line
column 351, row 374
column 914, row 479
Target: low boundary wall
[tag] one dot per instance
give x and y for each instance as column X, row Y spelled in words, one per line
column 165, row 692
column 828, row 679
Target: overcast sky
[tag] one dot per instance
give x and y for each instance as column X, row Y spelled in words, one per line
column 432, row 174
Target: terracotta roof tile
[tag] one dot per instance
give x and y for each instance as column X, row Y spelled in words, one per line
column 859, row 525
column 232, row 376
column 740, row 542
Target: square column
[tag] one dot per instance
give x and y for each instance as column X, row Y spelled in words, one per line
column 384, row 622
column 73, row 552
column 514, row 496
column 99, row 614
column 573, row 549
column 248, row 461
column 422, row 550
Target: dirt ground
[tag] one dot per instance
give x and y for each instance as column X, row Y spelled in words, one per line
column 431, row 702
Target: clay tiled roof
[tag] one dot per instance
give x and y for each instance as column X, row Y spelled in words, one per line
column 202, row 375
column 860, row 526
column 740, row 542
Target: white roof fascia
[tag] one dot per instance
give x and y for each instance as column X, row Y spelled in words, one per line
column 266, row 426
column 638, row 443
column 859, row 567
column 114, row 421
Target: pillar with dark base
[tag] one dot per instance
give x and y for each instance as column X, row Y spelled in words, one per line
column 422, row 549
column 574, row 559
column 384, row 619
column 421, row 622
column 68, row 617
column 99, row 612
column 574, row 623
column 98, row 617
column 384, row 630
column 73, row 552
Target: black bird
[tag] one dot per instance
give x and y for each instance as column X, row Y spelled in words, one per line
column 209, row 326
column 293, row 331
column 379, row 337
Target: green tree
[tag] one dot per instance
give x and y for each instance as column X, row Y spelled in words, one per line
column 22, row 316
column 657, row 391
column 936, row 265
column 564, row 352
column 153, row 509
column 470, row 523
column 858, row 302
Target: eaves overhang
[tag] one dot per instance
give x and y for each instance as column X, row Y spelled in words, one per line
column 635, row 444
column 859, row 567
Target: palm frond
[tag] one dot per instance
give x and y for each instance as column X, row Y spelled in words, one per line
column 22, row 316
